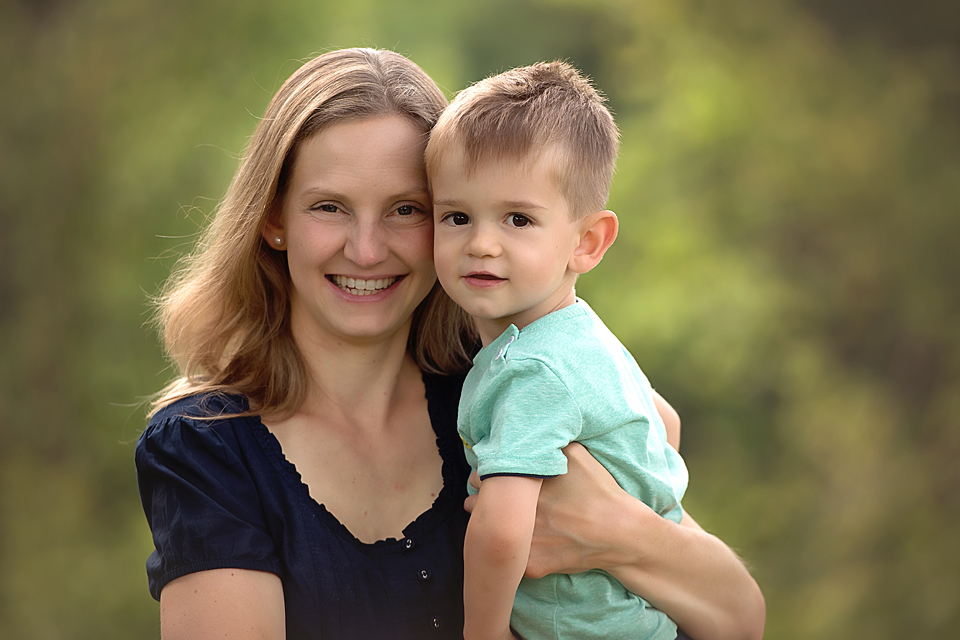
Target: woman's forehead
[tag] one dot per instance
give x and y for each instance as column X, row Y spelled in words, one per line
column 377, row 157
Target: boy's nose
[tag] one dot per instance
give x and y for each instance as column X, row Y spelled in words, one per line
column 484, row 242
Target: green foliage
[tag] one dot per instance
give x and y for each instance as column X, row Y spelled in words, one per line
column 785, row 273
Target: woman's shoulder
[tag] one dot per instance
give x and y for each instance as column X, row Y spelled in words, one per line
column 206, row 407
column 205, row 485
column 205, row 424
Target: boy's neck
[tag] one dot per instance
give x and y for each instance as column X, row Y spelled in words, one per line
column 491, row 328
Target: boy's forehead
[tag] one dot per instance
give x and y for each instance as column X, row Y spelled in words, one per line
column 527, row 164
column 531, row 181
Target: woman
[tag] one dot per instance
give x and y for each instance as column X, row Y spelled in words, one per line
column 303, row 478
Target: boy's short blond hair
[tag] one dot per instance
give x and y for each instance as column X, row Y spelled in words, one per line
column 520, row 114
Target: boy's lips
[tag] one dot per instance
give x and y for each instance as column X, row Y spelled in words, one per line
column 483, row 278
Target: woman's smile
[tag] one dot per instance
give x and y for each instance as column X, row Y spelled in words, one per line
column 363, row 287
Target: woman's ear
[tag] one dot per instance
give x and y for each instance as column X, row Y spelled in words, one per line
column 273, row 232
column 597, row 233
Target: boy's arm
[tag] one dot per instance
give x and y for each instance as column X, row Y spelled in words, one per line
column 495, row 553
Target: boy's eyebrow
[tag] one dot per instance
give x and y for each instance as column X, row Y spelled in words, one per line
column 522, row 204
column 509, row 204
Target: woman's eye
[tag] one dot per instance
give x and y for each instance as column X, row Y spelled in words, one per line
column 519, row 220
column 326, row 208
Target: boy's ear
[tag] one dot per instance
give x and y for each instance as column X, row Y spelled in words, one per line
column 597, row 233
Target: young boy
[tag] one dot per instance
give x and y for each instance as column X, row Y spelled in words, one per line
column 520, row 166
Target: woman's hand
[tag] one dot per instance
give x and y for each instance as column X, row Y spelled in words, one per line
column 573, row 517
column 565, row 532
column 565, row 536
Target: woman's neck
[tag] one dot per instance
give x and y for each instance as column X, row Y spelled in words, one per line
column 359, row 380
column 362, row 441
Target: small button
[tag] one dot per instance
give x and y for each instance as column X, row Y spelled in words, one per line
column 408, row 543
column 511, row 339
column 499, row 354
column 424, row 574
column 437, row 623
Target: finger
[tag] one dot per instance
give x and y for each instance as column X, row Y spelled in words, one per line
column 469, row 503
column 475, row 480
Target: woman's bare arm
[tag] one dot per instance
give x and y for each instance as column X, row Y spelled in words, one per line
column 754, row 615
column 586, row 521
column 223, row 603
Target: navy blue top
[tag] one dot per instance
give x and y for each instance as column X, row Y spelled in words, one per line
column 220, row 494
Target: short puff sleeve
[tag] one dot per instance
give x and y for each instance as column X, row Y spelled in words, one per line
column 200, row 499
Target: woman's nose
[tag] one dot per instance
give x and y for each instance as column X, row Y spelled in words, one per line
column 366, row 244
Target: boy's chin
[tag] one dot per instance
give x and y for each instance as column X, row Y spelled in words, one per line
column 488, row 316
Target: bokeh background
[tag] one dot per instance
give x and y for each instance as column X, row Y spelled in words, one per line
column 787, row 270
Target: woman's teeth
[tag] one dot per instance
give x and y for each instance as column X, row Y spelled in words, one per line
column 359, row 287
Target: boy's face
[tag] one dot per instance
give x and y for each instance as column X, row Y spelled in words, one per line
column 503, row 240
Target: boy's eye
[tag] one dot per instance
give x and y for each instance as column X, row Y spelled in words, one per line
column 406, row 210
column 459, row 218
column 519, row 220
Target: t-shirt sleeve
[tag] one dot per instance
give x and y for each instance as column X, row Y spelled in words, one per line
column 533, row 417
column 201, row 502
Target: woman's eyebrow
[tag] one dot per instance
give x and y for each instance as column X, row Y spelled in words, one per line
column 325, row 193
column 413, row 193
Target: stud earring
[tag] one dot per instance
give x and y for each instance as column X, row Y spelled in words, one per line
column 278, row 240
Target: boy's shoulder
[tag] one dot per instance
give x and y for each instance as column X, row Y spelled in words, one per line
column 577, row 321
column 573, row 338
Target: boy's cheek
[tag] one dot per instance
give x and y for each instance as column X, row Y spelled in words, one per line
column 441, row 238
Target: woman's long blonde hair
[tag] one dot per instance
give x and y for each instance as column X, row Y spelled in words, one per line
column 224, row 314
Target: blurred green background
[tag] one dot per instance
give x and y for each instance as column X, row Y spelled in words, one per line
column 787, row 270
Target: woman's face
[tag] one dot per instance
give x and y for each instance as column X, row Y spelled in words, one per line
column 356, row 223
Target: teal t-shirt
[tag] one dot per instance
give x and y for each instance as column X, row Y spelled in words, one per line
column 565, row 378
